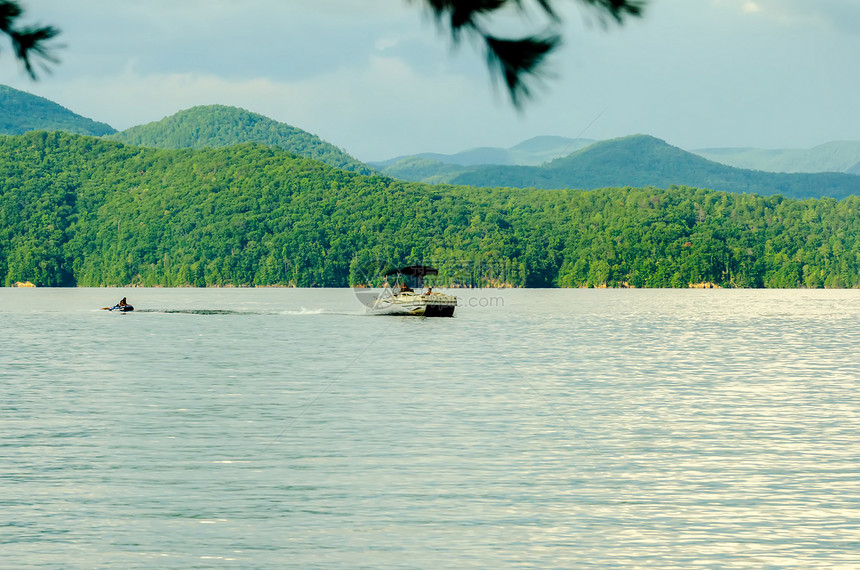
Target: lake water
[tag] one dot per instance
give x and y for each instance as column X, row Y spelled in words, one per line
column 271, row 428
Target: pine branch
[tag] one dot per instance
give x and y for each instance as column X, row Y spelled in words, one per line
column 618, row 9
column 29, row 43
column 518, row 61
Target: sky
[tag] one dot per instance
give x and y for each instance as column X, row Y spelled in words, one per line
column 379, row 78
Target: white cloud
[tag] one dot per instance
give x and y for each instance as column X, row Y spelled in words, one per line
column 841, row 15
column 378, row 78
column 386, row 43
column 370, row 110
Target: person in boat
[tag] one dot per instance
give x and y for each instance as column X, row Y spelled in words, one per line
column 429, row 290
column 121, row 306
column 404, row 288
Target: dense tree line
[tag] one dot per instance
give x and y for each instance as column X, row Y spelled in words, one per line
column 76, row 210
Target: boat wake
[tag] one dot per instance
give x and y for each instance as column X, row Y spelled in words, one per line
column 301, row 312
column 310, row 312
column 199, row 312
column 304, row 311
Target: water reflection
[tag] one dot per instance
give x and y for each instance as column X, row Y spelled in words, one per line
column 565, row 428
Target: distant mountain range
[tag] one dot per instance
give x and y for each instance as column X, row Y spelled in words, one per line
column 532, row 152
column 541, row 162
column 22, row 112
column 638, row 160
column 205, row 126
column 838, row 156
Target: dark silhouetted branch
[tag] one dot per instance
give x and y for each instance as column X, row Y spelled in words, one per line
column 515, row 60
column 518, row 60
column 28, row 43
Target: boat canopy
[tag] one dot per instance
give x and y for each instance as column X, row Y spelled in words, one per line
column 419, row 271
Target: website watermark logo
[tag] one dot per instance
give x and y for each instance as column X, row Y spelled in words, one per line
column 375, row 279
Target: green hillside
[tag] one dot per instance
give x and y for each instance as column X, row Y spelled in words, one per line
column 646, row 161
column 421, row 168
column 216, row 126
column 417, row 169
column 22, row 112
column 83, row 211
column 837, row 156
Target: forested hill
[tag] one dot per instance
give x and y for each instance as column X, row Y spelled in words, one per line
column 634, row 161
column 22, row 112
column 83, row 211
column 215, row 126
column 835, row 156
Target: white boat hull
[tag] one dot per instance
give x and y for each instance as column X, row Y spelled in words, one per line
column 420, row 305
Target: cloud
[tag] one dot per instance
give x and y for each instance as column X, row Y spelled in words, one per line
column 842, row 15
column 247, row 38
column 386, row 43
column 367, row 110
column 379, row 79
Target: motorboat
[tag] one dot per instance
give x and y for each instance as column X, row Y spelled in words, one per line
column 427, row 304
column 401, row 299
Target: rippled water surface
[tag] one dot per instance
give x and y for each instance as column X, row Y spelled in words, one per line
column 279, row 428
